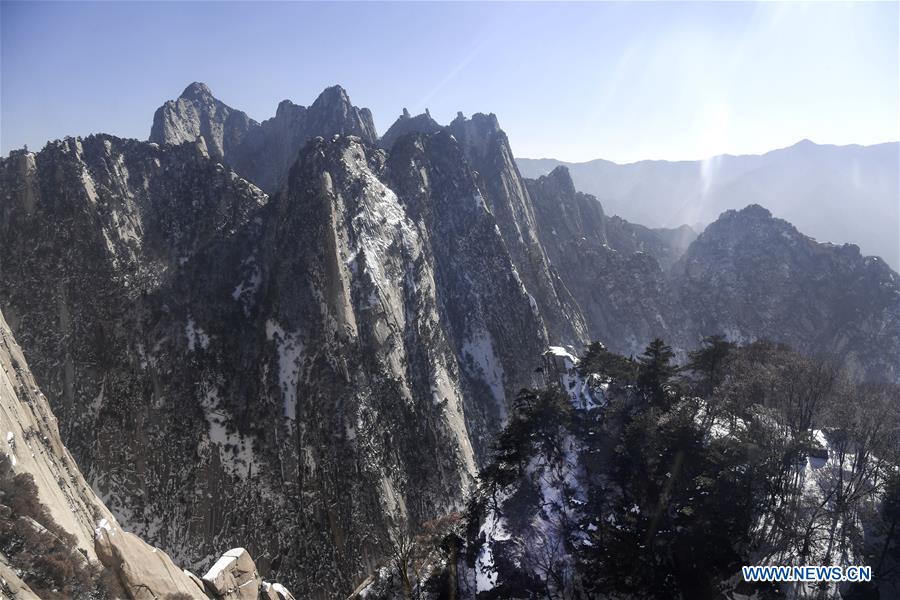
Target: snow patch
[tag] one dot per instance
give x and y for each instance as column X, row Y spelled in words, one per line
column 290, row 351
column 483, row 361
column 195, row 336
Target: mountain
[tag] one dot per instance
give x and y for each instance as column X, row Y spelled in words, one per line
column 839, row 194
column 782, row 285
column 299, row 339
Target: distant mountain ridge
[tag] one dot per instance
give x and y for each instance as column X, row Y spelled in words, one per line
column 838, row 194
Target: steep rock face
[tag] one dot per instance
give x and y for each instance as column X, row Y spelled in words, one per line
column 115, row 218
column 133, row 236
column 368, row 383
column 493, row 323
column 261, row 152
column 488, row 152
column 752, row 276
column 34, row 447
column 610, row 266
column 31, row 441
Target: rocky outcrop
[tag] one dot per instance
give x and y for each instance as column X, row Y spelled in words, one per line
column 234, row 576
column 144, row 572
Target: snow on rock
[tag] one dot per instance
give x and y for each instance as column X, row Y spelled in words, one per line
column 561, row 368
column 481, row 359
column 195, row 336
column 234, row 576
column 235, row 450
column 290, row 352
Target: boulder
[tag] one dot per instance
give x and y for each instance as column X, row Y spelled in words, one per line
column 234, row 576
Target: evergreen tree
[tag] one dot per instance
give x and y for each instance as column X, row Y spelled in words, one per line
column 710, row 360
column 597, row 359
column 655, row 372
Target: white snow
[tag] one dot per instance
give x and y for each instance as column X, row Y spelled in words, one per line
column 102, row 526
column 235, row 450
column 195, row 335
column 584, row 393
column 485, row 573
column 479, row 349
column 223, row 563
column 290, row 351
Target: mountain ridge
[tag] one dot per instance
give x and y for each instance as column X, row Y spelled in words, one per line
column 841, row 194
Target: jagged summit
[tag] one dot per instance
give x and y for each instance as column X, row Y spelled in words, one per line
column 484, row 121
column 406, row 124
column 334, row 94
column 561, row 177
column 197, row 90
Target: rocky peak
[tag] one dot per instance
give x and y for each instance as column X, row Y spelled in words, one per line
column 262, row 153
column 333, row 113
column 785, row 286
column 477, row 134
column 287, row 109
column 406, row 124
column 197, row 91
column 751, row 212
column 197, row 113
column 488, row 153
column 561, row 180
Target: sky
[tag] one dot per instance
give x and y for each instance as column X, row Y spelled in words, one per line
column 573, row 81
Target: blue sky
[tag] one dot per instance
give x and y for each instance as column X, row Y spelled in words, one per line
column 622, row 81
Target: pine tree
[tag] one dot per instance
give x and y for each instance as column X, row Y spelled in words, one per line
column 597, row 359
column 709, row 361
column 656, row 371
